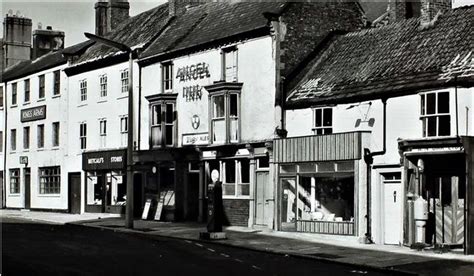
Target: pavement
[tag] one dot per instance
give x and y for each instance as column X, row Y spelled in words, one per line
column 322, row 248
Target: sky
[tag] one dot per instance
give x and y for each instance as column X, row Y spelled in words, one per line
column 75, row 17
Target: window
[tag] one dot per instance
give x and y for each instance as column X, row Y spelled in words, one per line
column 103, row 132
column 40, row 136
column 103, row 85
column 57, row 82
column 13, row 139
column 235, row 177
column 1, row 96
column 14, row 181
column 27, row 91
column 41, row 93
column 322, row 121
column 225, row 108
column 229, row 64
column 435, row 114
column 50, row 180
column 26, row 137
column 1, row 141
column 162, row 124
column 123, row 129
column 124, row 78
column 83, row 135
column 83, row 90
column 56, row 130
column 263, row 163
column 14, row 93
column 167, row 76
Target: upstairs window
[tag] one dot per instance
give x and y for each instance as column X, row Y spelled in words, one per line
column 26, row 137
column 225, row 113
column 41, row 92
column 124, row 80
column 322, row 120
column 56, row 130
column 103, row 85
column 229, row 64
column 435, row 116
column 83, row 135
column 14, row 93
column 13, row 140
column 83, row 90
column 27, row 91
column 57, row 82
column 163, row 127
column 1, row 96
column 167, row 77
column 40, row 136
column 1, row 141
column 103, row 132
column 123, row 129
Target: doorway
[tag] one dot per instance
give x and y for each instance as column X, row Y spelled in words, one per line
column 74, row 180
column 392, row 204
column 192, row 197
column 27, row 173
column 288, row 204
column 264, row 200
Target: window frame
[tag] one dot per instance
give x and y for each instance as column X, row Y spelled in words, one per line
column 424, row 117
column 14, row 94
column 83, row 135
column 163, row 123
column 56, row 128
column 238, row 178
column 57, row 83
column 103, row 85
column 41, row 87
column 167, row 67
column 83, row 90
column 40, row 136
column 329, row 129
column 124, row 129
column 27, row 91
column 26, row 137
column 103, row 131
column 224, row 52
column 227, row 116
column 13, row 145
column 54, row 173
column 124, row 80
column 14, row 188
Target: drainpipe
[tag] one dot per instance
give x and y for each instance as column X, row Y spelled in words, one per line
column 5, row 127
column 369, row 159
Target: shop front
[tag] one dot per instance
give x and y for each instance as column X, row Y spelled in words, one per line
column 105, row 181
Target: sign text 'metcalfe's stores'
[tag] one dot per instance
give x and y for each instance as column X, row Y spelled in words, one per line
column 33, row 114
column 104, row 160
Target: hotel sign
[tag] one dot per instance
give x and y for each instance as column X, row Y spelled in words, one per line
column 104, row 160
column 33, row 114
column 197, row 139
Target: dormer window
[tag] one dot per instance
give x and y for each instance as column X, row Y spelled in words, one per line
column 229, row 64
column 167, row 77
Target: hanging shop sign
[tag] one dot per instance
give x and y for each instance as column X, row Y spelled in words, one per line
column 33, row 114
column 24, row 160
column 196, row 139
column 104, row 160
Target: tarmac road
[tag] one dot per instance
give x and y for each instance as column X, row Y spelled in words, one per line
column 34, row 248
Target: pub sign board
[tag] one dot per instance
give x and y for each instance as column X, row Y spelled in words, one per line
column 104, row 160
column 33, row 114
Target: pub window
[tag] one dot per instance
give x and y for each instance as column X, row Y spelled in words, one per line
column 14, row 181
column 123, row 129
column 436, row 120
column 124, row 80
column 57, row 82
column 229, row 64
column 103, row 85
column 41, row 92
column 322, row 121
column 235, row 177
column 103, row 132
column 163, row 124
column 167, row 76
column 13, row 140
column 56, row 130
column 27, row 91
column 83, row 90
column 83, row 135
column 225, row 118
column 50, row 180
column 26, row 137
column 14, row 93
column 40, row 136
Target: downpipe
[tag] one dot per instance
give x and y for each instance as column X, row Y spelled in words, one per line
column 369, row 160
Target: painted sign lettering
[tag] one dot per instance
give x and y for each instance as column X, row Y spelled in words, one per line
column 195, row 139
column 193, row 72
column 33, row 114
column 103, row 160
column 192, row 93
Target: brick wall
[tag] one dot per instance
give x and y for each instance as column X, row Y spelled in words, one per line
column 236, row 212
column 429, row 8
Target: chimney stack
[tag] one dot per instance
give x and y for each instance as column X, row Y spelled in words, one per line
column 45, row 41
column 430, row 8
column 109, row 14
column 178, row 7
column 403, row 9
column 16, row 38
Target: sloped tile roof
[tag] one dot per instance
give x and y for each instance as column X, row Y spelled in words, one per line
column 28, row 67
column 393, row 60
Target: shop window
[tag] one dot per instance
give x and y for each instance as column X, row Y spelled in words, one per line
column 26, row 84
column 322, row 121
column 83, row 135
column 40, row 137
column 14, row 181
column 103, row 85
column 56, row 130
column 118, row 188
column 435, row 114
column 83, row 90
column 41, row 85
column 163, row 126
column 123, row 130
column 124, row 80
column 225, row 113
column 103, row 132
column 50, row 180
column 235, row 177
column 26, row 137
column 13, row 140
column 14, row 94
column 287, row 169
column 229, row 64
column 57, row 82
column 167, row 77
column 94, row 189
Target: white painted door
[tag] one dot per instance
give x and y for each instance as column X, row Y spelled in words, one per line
column 392, row 212
column 264, row 200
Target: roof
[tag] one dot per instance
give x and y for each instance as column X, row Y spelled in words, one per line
column 396, row 59
column 212, row 22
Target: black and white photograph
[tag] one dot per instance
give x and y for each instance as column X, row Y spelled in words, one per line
column 237, row 137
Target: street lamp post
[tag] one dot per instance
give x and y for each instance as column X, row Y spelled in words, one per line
column 129, row 51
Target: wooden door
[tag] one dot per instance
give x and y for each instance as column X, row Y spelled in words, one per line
column 27, row 173
column 74, row 180
column 392, row 215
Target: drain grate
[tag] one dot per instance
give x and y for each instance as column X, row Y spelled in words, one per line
column 325, row 255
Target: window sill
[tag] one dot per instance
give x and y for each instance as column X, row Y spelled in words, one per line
column 49, row 195
column 41, row 100
column 102, row 101
column 14, row 106
column 14, row 195
column 12, row 152
column 26, row 150
column 125, row 95
column 26, row 103
column 55, row 148
column 236, row 197
column 40, row 149
column 81, row 104
column 56, row 96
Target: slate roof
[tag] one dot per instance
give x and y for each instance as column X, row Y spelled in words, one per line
column 397, row 59
column 28, row 67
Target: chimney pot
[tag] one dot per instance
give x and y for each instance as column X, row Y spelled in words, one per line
column 49, row 28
